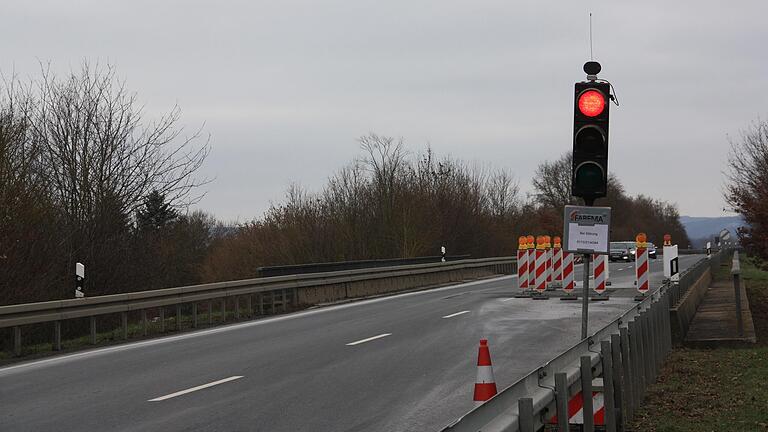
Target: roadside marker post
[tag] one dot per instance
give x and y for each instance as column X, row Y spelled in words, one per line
column 557, row 262
column 79, row 280
column 522, row 263
column 641, row 266
column 485, row 384
column 541, row 269
column 548, row 248
column 569, row 282
column 671, row 263
column 600, row 276
column 531, row 262
column 576, row 410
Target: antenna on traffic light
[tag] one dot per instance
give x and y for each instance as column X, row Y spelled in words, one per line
column 591, row 52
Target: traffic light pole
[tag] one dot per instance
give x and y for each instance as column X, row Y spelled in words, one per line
column 585, row 298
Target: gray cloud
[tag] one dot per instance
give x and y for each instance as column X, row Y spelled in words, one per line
column 286, row 87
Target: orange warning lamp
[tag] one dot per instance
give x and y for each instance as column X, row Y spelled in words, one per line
column 522, row 242
column 540, row 242
column 667, row 240
column 557, row 242
column 547, row 241
column 531, row 242
column 641, row 239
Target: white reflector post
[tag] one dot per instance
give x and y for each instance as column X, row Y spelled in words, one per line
column 79, row 280
column 670, row 263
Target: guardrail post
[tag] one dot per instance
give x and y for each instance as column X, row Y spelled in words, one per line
column 16, row 341
column 645, row 351
column 660, row 332
column 162, row 319
column 628, row 373
column 249, row 305
column 124, row 319
column 210, row 312
column 561, row 400
column 525, row 414
column 619, row 396
column 586, row 393
column 143, row 322
column 178, row 317
column 93, row 330
column 237, row 308
column 224, row 309
column 57, row 335
column 285, row 301
column 194, row 315
column 261, row 304
column 273, row 310
column 737, row 292
column 610, row 402
column 638, row 370
column 654, row 324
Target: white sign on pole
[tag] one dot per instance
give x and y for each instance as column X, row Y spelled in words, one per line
column 79, row 280
column 671, row 267
column 586, row 229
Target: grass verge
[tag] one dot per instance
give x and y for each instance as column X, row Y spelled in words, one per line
column 723, row 389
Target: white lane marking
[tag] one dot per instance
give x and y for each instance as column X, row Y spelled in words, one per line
column 456, row 314
column 194, row 389
column 383, row 335
column 34, row 364
column 509, row 299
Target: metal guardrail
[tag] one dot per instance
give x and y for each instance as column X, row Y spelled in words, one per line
column 279, row 291
column 294, row 269
column 627, row 354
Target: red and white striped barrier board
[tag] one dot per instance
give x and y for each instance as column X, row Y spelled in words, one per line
column 531, row 268
column 522, row 269
column 599, row 272
column 549, row 265
column 576, row 409
column 541, row 270
column 557, row 265
column 485, row 385
column 569, row 283
column 641, row 270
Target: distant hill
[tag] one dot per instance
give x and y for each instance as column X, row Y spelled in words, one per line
column 701, row 229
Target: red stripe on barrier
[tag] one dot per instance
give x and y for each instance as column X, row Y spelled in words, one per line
column 643, row 269
column 567, row 270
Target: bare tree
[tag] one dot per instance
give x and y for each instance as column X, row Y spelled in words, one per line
column 552, row 182
column 97, row 146
column 746, row 188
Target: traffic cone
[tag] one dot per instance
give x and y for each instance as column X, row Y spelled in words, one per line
column 485, row 385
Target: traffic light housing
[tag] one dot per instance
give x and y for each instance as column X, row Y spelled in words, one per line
column 590, row 140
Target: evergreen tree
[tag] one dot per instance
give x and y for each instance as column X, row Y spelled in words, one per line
column 155, row 213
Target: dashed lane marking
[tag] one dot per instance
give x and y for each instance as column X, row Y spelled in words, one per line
column 194, row 389
column 383, row 335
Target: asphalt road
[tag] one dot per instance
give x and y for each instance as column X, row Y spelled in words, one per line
column 399, row 363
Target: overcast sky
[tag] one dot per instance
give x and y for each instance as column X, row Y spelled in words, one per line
column 285, row 87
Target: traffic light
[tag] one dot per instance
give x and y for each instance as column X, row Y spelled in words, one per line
column 590, row 140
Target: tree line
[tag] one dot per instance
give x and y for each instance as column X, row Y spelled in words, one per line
column 86, row 177
column 392, row 204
